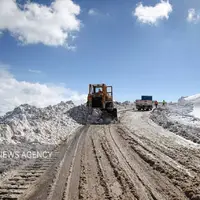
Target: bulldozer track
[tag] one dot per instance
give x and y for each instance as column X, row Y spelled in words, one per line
column 17, row 185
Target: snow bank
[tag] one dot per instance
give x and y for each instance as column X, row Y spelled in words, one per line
column 176, row 119
column 194, row 98
column 28, row 124
column 195, row 101
column 49, row 125
column 196, row 111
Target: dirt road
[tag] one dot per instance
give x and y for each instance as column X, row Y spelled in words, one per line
column 118, row 161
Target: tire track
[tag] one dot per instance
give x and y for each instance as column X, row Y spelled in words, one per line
column 74, row 164
column 178, row 175
column 60, row 188
column 127, row 187
column 89, row 183
column 58, row 175
column 113, row 183
column 142, row 189
column 100, row 173
column 185, row 157
column 155, row 155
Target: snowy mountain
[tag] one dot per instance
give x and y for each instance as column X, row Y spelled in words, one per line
column 28, row 124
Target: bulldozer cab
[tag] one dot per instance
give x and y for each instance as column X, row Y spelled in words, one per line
column 100, row 96
column 95, row 90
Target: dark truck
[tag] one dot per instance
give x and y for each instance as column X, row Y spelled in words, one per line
column 146, row 103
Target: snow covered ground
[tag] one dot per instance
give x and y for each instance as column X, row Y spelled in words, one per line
column 124, row 105
column 177, row 118
column 186, row 111
column 28, row 128
column 141, row 125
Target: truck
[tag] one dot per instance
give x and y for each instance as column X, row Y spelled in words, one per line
column 145, row 103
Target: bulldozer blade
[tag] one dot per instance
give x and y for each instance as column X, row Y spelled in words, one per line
column 109, row 116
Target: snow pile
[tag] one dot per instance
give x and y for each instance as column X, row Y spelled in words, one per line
column 83, row 115
column 49, row 125
column 175, row 118
column 28, row 124
column 193, row 98
column 95, row 117
column 79, row 114
column 195, row 101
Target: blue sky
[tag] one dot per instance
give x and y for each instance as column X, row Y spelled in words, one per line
column 114, row 47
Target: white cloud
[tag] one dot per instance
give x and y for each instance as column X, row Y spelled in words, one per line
column 35, row 71
column 34, row 23
column 92, row 12
column 14, row 93
column 95, row 12
column 193, row 16
column 150, row 14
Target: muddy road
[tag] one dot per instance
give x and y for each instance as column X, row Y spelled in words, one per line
column 118, row 161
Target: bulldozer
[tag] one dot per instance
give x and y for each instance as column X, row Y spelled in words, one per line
column 101, row 96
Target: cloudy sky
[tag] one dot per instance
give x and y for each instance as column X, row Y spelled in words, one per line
column 51, row 50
